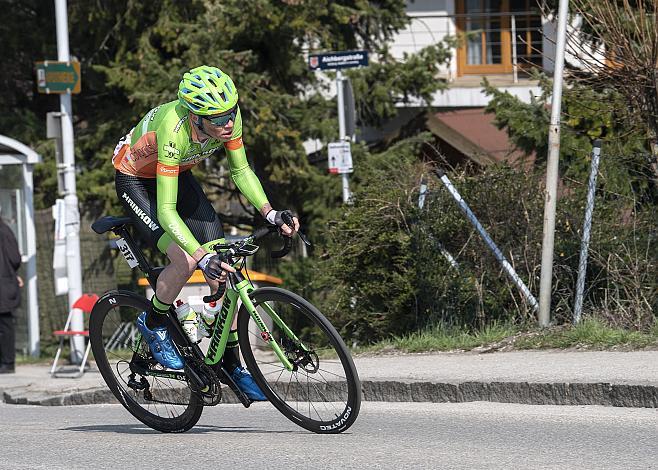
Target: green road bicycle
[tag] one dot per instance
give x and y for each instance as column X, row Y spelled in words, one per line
column 294, row 354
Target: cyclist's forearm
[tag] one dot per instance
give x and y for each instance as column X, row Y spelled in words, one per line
column 265, row 209
column 245, row 179
column 167, row 194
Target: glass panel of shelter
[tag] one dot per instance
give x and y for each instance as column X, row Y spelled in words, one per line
column 11, row 201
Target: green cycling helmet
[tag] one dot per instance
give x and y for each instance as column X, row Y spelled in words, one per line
column 207, row 90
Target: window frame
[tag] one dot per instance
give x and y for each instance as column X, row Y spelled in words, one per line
column 506, row 66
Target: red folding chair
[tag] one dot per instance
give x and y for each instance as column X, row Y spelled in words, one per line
column 84, row 303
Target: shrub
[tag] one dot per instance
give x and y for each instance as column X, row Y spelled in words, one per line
column 381, row 272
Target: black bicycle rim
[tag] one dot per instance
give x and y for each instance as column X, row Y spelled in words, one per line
column 323, row 394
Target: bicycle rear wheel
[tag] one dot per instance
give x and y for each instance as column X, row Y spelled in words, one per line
column 323, row 392
column 158, row 397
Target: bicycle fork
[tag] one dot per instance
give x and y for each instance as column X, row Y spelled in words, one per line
column 227, row 314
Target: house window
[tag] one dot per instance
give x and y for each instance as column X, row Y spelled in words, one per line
column 487, row 46
column 528, row 32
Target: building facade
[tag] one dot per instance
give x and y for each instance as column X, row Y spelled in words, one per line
column 502, row 40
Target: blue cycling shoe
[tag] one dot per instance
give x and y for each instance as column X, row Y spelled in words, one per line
column 245, row 382
column 160, row 344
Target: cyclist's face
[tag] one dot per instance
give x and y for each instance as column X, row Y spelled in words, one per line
column 218, row 132
column 222, row 131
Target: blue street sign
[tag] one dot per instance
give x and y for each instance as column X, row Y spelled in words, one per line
column 338, row 60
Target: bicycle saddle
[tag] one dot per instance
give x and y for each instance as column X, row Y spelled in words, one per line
column 107, row 223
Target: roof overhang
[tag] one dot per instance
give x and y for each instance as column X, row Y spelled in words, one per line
column 12, row 152
column 472, row 132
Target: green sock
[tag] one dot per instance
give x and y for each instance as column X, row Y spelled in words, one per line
column 157, row 315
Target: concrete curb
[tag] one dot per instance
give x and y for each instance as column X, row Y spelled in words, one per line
column 529, row 393
column 96, row 396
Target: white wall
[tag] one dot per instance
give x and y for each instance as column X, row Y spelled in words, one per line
column 574, row 55
column 426, row 29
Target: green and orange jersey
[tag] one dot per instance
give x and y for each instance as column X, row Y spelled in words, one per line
column 162, row 145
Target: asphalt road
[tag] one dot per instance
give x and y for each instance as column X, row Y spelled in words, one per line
column 386, row 435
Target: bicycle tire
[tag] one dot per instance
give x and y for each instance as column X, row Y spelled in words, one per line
column 98, row 336
column 312, row 328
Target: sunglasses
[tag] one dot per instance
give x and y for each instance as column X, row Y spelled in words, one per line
column 223, row 119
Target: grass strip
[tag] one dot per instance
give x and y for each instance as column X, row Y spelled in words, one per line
column 589, row 334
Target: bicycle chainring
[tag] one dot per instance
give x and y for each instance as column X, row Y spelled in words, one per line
column 211, row 395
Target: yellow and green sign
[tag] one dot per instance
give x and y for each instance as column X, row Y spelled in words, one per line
column 58, row 77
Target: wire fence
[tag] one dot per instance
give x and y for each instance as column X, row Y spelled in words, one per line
column 98, row 276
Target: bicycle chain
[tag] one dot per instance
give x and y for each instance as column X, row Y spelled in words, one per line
column 211, row 397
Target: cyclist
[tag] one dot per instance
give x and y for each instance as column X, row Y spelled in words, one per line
column 156, row 187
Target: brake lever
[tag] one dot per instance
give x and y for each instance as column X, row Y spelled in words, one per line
column 222, row 286
column 304, row 239
column 289, row 221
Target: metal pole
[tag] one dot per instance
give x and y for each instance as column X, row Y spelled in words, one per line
column 584, row 245
column 546, row 279
column 515, row 69
column 341, row 130
column 446, row 254
column 31, row 268
column 507, row 267
column 74, row 272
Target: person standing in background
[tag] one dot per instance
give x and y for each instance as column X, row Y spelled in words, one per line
column 10, row 298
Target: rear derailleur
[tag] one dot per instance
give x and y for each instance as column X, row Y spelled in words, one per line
column 140, row 386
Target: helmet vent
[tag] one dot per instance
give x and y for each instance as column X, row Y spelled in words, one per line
column 207, row 90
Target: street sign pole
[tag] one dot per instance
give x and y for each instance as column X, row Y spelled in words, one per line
column 72, row 215
column 341, row 130
column 340, row 156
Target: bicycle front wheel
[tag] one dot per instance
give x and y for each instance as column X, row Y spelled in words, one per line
column 323, row 392
column 157, row 397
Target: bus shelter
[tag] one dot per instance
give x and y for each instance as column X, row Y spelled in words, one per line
column 17, row 162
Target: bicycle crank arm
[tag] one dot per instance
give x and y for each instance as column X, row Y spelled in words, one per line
column 225, row 378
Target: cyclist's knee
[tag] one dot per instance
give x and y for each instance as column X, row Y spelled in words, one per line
column 184, row 264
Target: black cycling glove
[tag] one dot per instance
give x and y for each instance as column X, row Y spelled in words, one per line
column 211, row 265
column 281, row 218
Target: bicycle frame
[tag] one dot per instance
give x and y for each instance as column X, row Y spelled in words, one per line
column 238, row 287
column 222, row 328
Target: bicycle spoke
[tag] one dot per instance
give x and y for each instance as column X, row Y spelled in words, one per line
column 169, row 398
